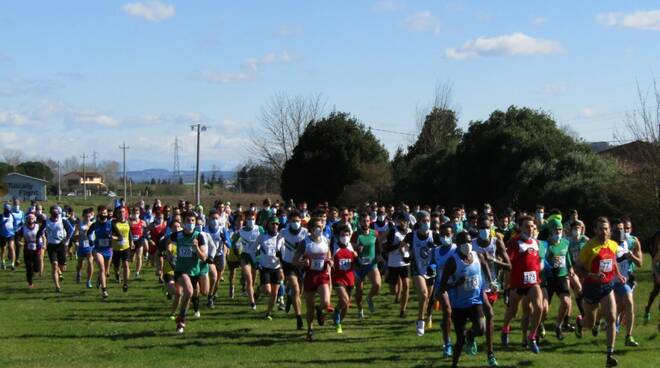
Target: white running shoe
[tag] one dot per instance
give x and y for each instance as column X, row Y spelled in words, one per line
column 197, row 314
column 420, row 328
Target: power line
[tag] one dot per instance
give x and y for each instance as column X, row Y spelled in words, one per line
column 123, row 147
column 392, row 132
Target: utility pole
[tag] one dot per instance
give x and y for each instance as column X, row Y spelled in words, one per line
column 59, row 181
column 95, row 155
column 84, row 178
column 198, row 188
column 123, row 147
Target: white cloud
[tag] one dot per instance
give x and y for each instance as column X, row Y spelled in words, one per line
column 251, row 67
column 555, row 89
column 8, row 140
column 513, row 44
column 10, row 117
column 538, row 21
column 587, row 112
column 270, row 58
column 288, row 31
column 152, row 11
column 386, row 6
column 94, row 118
column 422, row 21
column 646, row 20
column 227, row 78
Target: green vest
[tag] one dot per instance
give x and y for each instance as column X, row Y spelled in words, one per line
column 187, row 260
column 557, row 259
column 368, row 242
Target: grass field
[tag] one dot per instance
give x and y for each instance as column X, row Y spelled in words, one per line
column 78, row 329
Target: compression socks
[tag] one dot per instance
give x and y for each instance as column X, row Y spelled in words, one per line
column 195, row 303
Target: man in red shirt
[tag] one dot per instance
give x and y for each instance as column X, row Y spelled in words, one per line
column 525, row 279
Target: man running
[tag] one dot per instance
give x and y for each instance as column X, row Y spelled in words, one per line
column 245, row 241
column 7, row 234
column 32, row 233
column 597, row 267
column 58, row 234
column 343, row 276
column 293, row 234
column 557, row 267
column 440, row 256
column 269, row 245
column 628, row 256
column 139, row 236
column 398, row 262
column 365, row 241
column 122, row 245
column 102, row 232
column 576, row 241
column 84, row 250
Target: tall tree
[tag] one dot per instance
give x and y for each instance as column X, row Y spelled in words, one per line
column 35, row 169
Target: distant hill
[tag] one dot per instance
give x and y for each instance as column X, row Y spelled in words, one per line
column 599, row 146
column 141, row 176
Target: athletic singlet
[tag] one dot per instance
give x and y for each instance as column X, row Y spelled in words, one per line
column 7, row 229
column 440, row 256
column 574, row 247
column 491, row 250
column 290, row 242
column 396, row 257
column 102, row 234
column 469, row 292
column 137, row 229
column 525, row 263
column 269, row 246
column 599, row 258
column 632, row 242
column 316, row 252
column 187, row 260
column 55, row 232
column 32, row 240
column 422, row 254
column 622, row 262
column 367, row 256
column 83, row 241
column 216, row 236
column 247, row 241
column 125, row 231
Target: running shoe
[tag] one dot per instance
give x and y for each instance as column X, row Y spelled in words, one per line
column 534, row 347
column 320, row 317
column 541, row 331
column 611, row 362
column 360, row 314
column 253, row 306
column 420, row 327
column 173, row 317
column 61, row 277
column 210, row 304
column 197, row 314
column 647, row 317
column 124, row 288
column 578, row 327
column 402, row 314
column 104, row 294
column 268, row 317
column 58, row 290
column 89, row 284
column 339, row 330
column 558, row 333
column 370, row 304
column 137, row 276
column 504, row 338
column 568, row 327
column 287, row 303
column 447, row 351
column 231, row 292
column 471, row 344
column 310, row 335
column 594, row 331
column 299, row 323
column 13, row 268
column 77, row 278
column 429, row 324
column 180, row 324
column 492, row 362
column 117, row 278
column 630, row 341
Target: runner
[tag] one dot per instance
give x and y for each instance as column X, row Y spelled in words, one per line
column 139, row 236
column 58, row 234
column 122, row 245
column 441, row 254
column 343, row 276
column 102, row 231
column 84, row 249
column 7, row 234
column 525, row 278
column 365, row 241
column 246, row 240
column 576, row 241
column 190, row 251
column 220, row 236
column 174, row 291
column 398, row 262
column 293, row 235
column 233, row 260
column 269, row 245
column 33, row 234
column 313, row 255
column 655, row 275
column 157, row 230
column 19, row 217
column 206, row 267
column 462, row 281
column 491, row 251
column 628, row 256
column 421, row 243
column 597, row 267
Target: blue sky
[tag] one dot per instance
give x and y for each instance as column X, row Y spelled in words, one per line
column 83, row 76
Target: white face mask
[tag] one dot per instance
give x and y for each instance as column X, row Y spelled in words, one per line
column 465, row 249
column 484, row 234
column 295, row 225
column 344, row 239
column 249, row 223
column 189, row 227
column 317, row 232
column 446, row 240
column 381, row 218
column 576, row 233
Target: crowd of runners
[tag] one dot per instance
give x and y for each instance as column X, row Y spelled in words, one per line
column 460, row 263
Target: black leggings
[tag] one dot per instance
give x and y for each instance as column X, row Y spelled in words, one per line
column 31, row 258
column 459, row 317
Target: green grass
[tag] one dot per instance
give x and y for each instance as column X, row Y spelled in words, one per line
column 78, row 329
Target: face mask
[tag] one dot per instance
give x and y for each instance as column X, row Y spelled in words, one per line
column 252, row 209
column 465, row 248
column 621, row 236
column 539, row 216
column 484, row 234
column 189, row 227
column 424, row 227
column 318, row 232
column 373, row 214
column 446, row 240
column 524, row 236
column 344, row 239
column 249, row 223
column 16, row 208
column 381, row 218
column 628, row 233
column 457, row 227
column 575, row 233
column 282, row 219
column 295, row 225
column 555, row 238
column 55, row 214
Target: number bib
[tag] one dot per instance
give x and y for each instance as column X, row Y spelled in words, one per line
column 529, row 277
column 345, row 264
column 185, row 252
column 271, row 252
column 365, row 261
column 104, row 243
column 605, row 265
column 559, row 262
column 31, row 246
column 135, row 237
column 471, row 283
column 317, row 264
column 84, row 244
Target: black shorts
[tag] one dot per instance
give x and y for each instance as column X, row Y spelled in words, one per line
column 269, row 276
column 5, row 241
column 193, row 279
column 57, row 253
column 219, row 261
column 167, row 278
column 394, row 274
column 460, row 316
column 522, row 291
column 233, row 264
column 595, row 292
column 119, row 256
column 558, row 285
column 291, row 270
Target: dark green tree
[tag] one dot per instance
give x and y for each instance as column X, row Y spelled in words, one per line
column 5, row 169
column 35, row 169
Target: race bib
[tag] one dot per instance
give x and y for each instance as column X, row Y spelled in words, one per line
column 84, row 244
column 135, row 237
column 559, row 262
column 365, row 260
column 122, row 242
column 317, row 264
column 529, row 277
column 406, row 254
column 185, row 252
column 605, row 265
column 345, row 264
column 104, row 243
column 471, row 283
column 31, row 246
column 271, row 252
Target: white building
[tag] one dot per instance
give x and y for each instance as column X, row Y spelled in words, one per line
column 23, row 187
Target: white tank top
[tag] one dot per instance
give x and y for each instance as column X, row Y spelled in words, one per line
column 55, row 232
column 83, row 241
column 290, row 242
column 249, row 239
column 395, row 257
column 30, row 236
column 317, row 252
column 422, row 252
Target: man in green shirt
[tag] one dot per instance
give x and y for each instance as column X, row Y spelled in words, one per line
column 557, row 264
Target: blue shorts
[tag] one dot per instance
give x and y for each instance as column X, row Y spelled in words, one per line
column 622, row 289
column 84, row 252
column 595, row 292
column 105, row 252
column 362, row 271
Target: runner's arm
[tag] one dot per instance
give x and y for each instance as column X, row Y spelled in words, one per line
column 636, row 256
column 450, row 268
column 501, row 256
